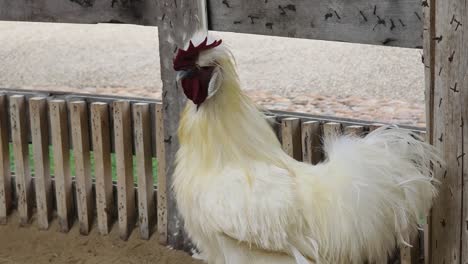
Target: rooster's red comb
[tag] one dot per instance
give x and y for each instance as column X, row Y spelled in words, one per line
column 187, row 58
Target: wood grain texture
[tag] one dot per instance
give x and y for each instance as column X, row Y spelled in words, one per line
column 382, row 22
column 19, row 135
column 80, row 11
column 331, row 129
column 61, row 146
column 354, row 130
column 40, row 141
column 177, row 21
column 162, row 178
column 142, row 137
column 102, row 166
column 5, row 173
column 311, row 145
column 124, row 159
column 291, row 135
column 84, row 186
column 449, row 133
column 275, row 125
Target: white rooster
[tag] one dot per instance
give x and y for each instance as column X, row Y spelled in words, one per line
column 244, row 200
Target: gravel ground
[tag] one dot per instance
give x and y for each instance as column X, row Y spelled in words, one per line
column 277, row 72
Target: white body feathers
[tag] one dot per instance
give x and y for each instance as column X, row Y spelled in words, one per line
column 245, row 201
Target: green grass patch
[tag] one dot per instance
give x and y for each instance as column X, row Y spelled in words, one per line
column 72, row 163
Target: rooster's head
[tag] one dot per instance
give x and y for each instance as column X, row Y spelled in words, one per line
column 198, row 68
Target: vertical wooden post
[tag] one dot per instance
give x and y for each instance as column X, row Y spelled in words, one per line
column 124, row 157
column 19, row 135
column 446, row 59
column 311, row 132
column 40, row 142
column 5, row 174
column 61, row 146
column 84, row 185
column 354, row 130
column 142, row 135
column 177, row 21
column 103, row 170
column 162, row 187
column 291, row 134
column 331, row 129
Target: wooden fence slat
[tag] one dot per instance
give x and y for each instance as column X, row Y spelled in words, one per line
column 61, row 147
column 374, row 126
column 162, row 190
column 19, row 135
column 40, row 142
column 275, row 125
column 354, row 130
column 5, row 174
column 380, row 22
column 102, row 166
column 291, row 134
column 142, row 137
column 311, row 150
column 124, row 157
column 84, row 186
column 331, row 129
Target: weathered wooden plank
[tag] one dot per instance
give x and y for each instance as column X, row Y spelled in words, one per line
column 382, row 22
column 142, row 137
column 448, row 130
column 124, row 157
column 19, row 135
column 5, row 174
column 354, row 130
column 175, row 31
column 374, row 126
column 102, row 166
column 61, row 146
column 291, row 134
column 311, row 149
column 275, row 125
column 162, row 178
column 80, row 11
column 40, row 142
column 331, row 129
column 80, row 138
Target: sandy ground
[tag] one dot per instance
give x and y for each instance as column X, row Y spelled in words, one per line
column 20, row 245
column 123, row 59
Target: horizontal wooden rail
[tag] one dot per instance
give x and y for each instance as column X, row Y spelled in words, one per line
column 380, row 22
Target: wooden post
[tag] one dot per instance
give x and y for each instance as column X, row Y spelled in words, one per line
column 61, row 146
column 331, row 129
column 5, row 174
column 19, row 135
column 446, row 61
column 291, row 134
column 124, row 158
column 354, row 130
column 40, row 142
column 142, row 136
column 177, row 21
column 275, row 125
column 311, row 135
column 102, row 161
column 162, row 187
column 84, row 185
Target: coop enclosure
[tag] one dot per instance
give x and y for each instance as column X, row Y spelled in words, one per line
column 104, row 132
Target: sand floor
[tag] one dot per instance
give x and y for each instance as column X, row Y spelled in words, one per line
column 29, row 245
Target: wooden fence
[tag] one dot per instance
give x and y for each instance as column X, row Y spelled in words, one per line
column 439, row 27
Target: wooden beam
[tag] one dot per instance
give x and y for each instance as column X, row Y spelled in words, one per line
column 144, row 168
column 80, row 11
column 103, row 170
column 61, row 147
column 291, row 134
column 5, row 174
column 162, row 178
column 311, row 145
column 177, row 21
column 381, row 22
column 80, row 138
column 124, row 159
column 40, row 142
column 447, row 92
column 19, row 135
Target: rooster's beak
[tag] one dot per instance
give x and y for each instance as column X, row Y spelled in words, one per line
column 183, row 74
